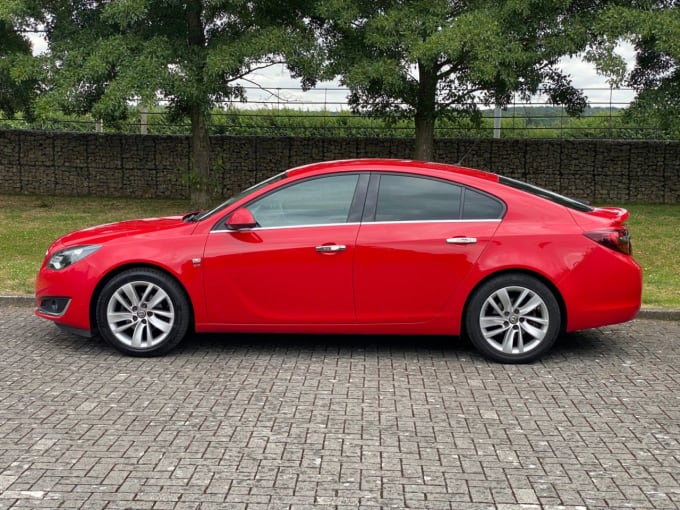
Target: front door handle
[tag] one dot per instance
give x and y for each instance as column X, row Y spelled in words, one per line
column 331, row 248
column 461, row 240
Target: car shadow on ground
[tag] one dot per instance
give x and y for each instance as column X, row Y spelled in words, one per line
column 586, row 344
column 582, row 345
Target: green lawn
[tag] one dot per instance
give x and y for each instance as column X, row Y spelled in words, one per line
column 655, row 230
column 29, row 224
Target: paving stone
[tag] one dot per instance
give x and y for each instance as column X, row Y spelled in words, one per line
column 301, row 422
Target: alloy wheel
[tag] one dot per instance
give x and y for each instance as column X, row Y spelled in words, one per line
column 514, row 320
column 140, row 314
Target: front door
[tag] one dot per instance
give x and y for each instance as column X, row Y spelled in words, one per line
column 295, row 267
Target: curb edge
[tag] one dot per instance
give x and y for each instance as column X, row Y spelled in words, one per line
column 22, row 300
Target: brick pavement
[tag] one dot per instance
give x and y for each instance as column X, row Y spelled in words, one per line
column 254, row 422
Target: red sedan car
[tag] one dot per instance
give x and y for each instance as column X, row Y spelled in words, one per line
column 357, row 246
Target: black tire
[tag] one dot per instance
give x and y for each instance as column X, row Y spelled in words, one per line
column 143, row 312
column 513, row 318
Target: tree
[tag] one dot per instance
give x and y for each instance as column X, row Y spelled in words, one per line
column 433, row 58
column 653, row 27
column 18, row 81
column 185, row 54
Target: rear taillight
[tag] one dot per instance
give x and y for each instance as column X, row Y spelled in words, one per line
column 617, row 239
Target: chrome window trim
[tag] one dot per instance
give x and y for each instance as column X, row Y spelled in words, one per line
column 255, row 229
column 409, row 222
column 429, row 221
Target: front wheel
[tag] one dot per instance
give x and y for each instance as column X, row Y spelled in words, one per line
column 513, row 318
column 143, row 312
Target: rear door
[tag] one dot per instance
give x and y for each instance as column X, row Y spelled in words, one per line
column 420, row 237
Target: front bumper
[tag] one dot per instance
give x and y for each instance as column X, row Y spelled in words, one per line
column 64, row 296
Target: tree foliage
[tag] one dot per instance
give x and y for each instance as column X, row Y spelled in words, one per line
column 653, row 27
column 432, row 58
column 426, row 60
column 183, row 54
column 18, row 77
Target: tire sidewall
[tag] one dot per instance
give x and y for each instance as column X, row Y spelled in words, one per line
column 485, row 290
column 176, row 295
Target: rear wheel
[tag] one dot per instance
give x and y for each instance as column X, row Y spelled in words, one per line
column 143, row 312
column 513, row 318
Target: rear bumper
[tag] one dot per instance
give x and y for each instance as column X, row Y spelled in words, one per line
column 605, row 288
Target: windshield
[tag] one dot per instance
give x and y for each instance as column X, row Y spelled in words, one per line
column 544, row 193
column 240, row 195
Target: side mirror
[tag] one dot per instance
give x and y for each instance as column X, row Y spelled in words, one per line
column 241, row 219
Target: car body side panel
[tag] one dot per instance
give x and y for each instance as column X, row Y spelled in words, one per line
column 407, row 271
column 509, row 254
column 179, row 255
column 597, row 285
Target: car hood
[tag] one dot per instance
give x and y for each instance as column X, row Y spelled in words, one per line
column 103, row 233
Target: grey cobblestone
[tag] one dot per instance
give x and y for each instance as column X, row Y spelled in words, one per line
column 288, row 422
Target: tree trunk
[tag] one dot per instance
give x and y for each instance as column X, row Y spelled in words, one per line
column 424, row 138
column 426, row 112
column 200, row 141
column 200, row 160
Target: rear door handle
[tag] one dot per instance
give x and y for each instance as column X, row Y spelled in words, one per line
column 331, row 248
column 461, row 240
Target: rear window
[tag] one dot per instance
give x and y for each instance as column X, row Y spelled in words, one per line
column 544, row 193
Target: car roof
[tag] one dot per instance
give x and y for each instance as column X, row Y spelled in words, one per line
column 382, row 165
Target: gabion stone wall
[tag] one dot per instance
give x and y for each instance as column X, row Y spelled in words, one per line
column 58, row 163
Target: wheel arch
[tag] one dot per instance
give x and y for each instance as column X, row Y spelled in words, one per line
column 527, row 272
column 125, row 267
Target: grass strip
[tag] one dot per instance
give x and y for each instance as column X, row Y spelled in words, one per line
column 29, row 224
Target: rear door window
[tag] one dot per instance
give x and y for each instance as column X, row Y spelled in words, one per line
column 411, row 198
column 417, row 198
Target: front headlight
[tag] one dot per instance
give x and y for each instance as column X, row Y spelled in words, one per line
column 64, row 258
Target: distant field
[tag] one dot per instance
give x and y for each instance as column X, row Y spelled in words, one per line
column 28, row 225
column 516, row 122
